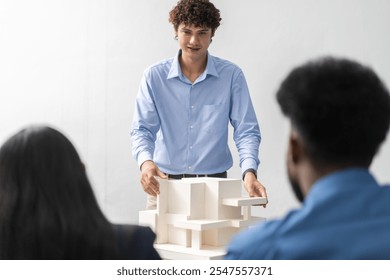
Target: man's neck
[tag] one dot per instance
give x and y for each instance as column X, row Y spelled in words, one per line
column 191, row 68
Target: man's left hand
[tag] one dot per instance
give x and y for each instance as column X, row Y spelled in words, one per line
column 254, row 187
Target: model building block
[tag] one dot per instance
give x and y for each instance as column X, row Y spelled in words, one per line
column 196, row 218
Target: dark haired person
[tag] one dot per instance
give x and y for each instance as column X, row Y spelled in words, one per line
column 184, row 106
column 48, row 209
column 340, row 113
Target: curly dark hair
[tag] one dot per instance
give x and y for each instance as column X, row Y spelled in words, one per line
column 201, row 13
column 340, row 108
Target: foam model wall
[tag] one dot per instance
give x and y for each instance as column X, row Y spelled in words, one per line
column 195, row 218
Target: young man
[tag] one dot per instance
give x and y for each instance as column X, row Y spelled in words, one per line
column 340, row 114
column 184, row 106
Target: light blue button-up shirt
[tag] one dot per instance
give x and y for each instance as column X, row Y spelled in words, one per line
column 183, row 126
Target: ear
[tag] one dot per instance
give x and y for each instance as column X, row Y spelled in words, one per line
column 295, row 147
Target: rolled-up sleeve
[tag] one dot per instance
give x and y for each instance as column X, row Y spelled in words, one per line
column 246, row 128
column 146, row 123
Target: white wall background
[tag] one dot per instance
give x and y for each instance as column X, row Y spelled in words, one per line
column 76, row 65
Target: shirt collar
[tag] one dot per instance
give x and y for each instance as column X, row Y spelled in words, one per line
column 341, row 181
column 175, row 70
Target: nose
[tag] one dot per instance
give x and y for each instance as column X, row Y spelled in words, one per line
column 194, row 40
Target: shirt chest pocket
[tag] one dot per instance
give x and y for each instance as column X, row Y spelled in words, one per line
column 215, row 118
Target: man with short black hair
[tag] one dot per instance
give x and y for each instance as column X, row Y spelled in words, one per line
column 340, row 114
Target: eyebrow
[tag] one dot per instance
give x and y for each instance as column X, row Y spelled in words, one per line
column 200, row 30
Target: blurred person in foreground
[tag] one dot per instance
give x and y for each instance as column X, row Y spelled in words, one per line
column 339, row 112
column 48, row 209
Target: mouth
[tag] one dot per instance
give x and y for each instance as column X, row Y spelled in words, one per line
column 193, row 49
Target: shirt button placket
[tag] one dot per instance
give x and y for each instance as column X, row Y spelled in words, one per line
column 191, row 132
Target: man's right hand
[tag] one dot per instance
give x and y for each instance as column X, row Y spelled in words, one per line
column 148, row 171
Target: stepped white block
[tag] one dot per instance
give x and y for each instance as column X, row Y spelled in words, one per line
column 196, row 217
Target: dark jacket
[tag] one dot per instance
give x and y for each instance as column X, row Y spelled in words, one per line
column 135, row 242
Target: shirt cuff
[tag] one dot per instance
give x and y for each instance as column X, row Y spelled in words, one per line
column 248, row 163
column 142, row 157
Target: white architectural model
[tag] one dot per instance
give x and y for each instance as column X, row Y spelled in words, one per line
column 196, row 217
